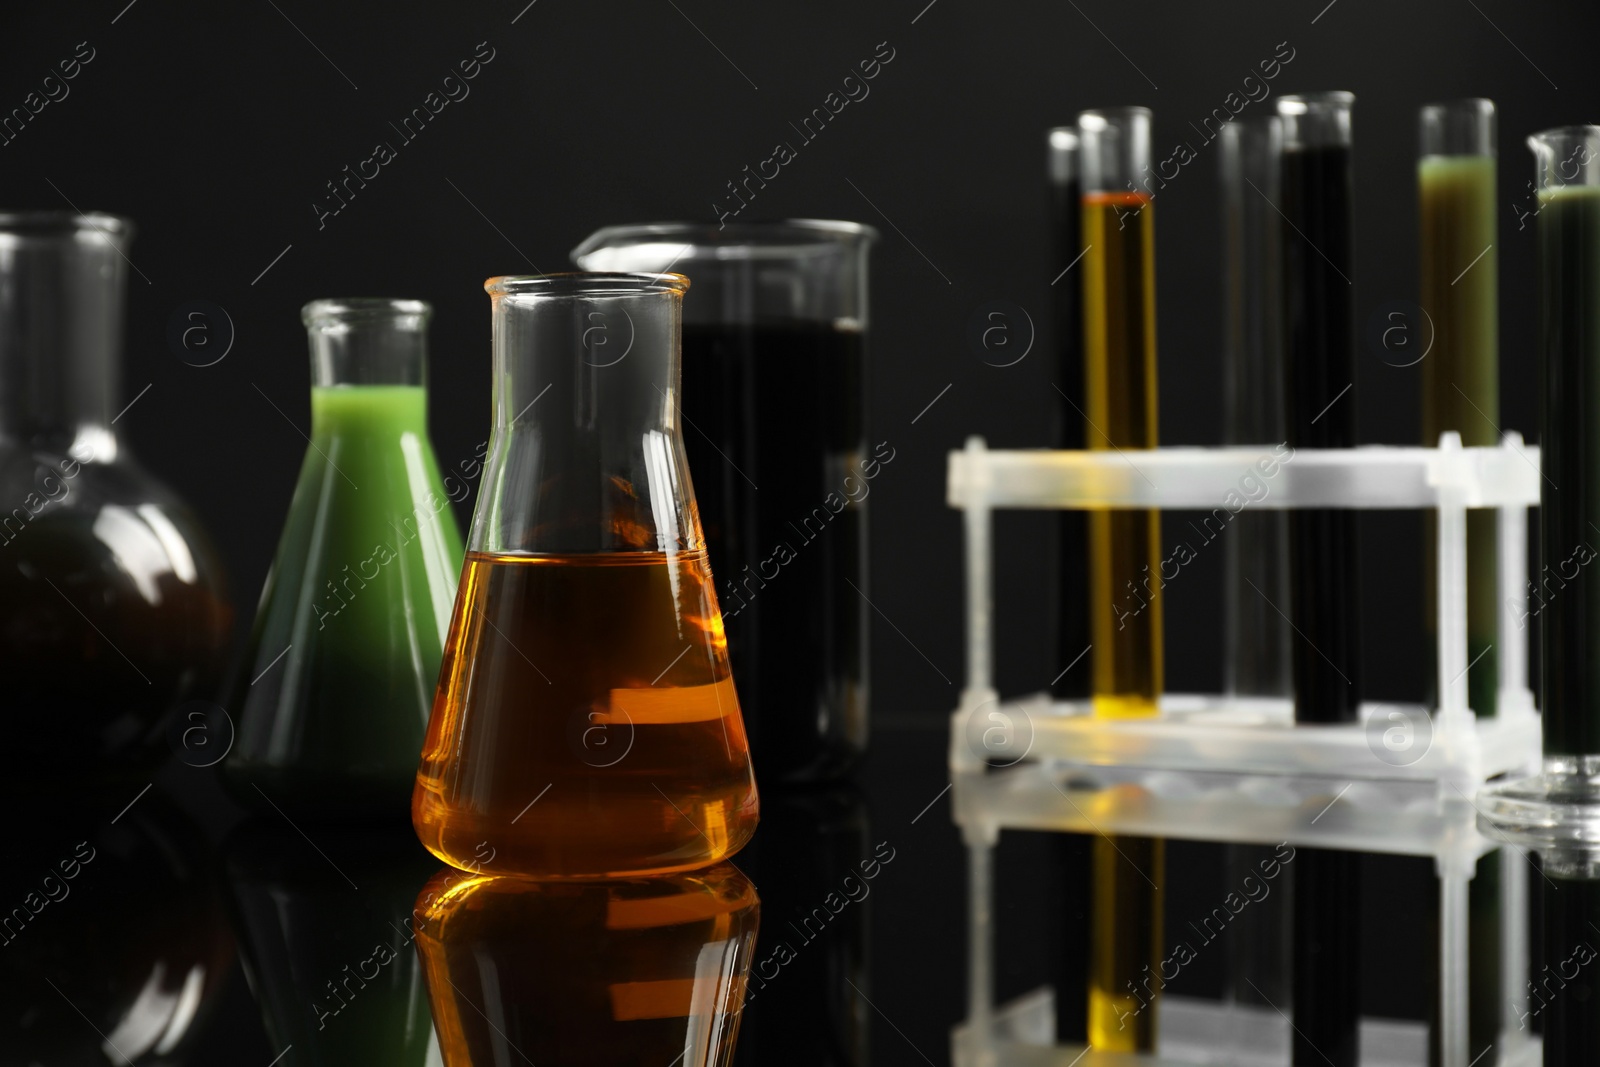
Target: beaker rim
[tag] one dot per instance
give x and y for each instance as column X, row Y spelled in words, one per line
column 780, row 239
column 346, row 308
column 1558, row 133
column 586, row 283
column 54, row 222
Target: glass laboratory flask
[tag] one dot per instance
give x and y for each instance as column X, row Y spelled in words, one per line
column 334, row 693
column 774, row 343
column 586, row 723
column 112, row 609
column 647, row 971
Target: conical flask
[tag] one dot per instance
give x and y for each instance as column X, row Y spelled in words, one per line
column 586, row 723
column 646, row 971
column 334, row 694
column 112, row 606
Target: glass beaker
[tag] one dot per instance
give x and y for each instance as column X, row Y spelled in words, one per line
column 646, row 971
column 112, row 608
column 774, row 360
column 336, row 687
column 1567, row 236
column 586, row 723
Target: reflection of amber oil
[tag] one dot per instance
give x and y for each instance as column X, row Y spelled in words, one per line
column 644, row 971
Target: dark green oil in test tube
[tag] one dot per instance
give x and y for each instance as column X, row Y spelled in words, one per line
column 1565, row 991
column 1319, row 302
column 1461, row 373
column 1459, row 286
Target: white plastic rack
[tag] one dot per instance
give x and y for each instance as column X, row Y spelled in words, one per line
column 1214, row 768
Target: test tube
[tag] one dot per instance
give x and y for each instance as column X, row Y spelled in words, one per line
column 1567, row 230
column 1320, row 410
column 1066, row 294
column 1460, row 374
column 1119, row 353
column 1256, row 564
column 1461, row 391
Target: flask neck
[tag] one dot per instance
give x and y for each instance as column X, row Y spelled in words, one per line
column 63, row 280
column 587, row 455
column 367, row 342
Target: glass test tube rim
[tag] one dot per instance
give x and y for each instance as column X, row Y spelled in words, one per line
column 1319, row 119
column 1436, row 118
column 1121, row 133
column 778, row 239
column 1063, row 145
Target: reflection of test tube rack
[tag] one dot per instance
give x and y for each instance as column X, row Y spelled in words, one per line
column 1402, row 781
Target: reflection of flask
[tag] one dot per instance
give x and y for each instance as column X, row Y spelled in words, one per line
column 587, row 974
column 586, row 724
column 818, row 871
column 331, row 961
column 111, row 603
column 335, row 690
column 113, row 945
column 774, row 367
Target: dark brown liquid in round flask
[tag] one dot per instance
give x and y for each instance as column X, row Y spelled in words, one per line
column 112, row 609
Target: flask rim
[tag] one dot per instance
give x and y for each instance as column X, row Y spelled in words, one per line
column 330, row 311
column 585, row 284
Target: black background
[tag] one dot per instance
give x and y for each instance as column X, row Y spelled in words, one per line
column 216, row 126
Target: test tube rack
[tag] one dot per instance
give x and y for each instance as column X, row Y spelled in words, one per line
column 1229, row 770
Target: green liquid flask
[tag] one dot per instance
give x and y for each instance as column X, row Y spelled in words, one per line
column 334, row 694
